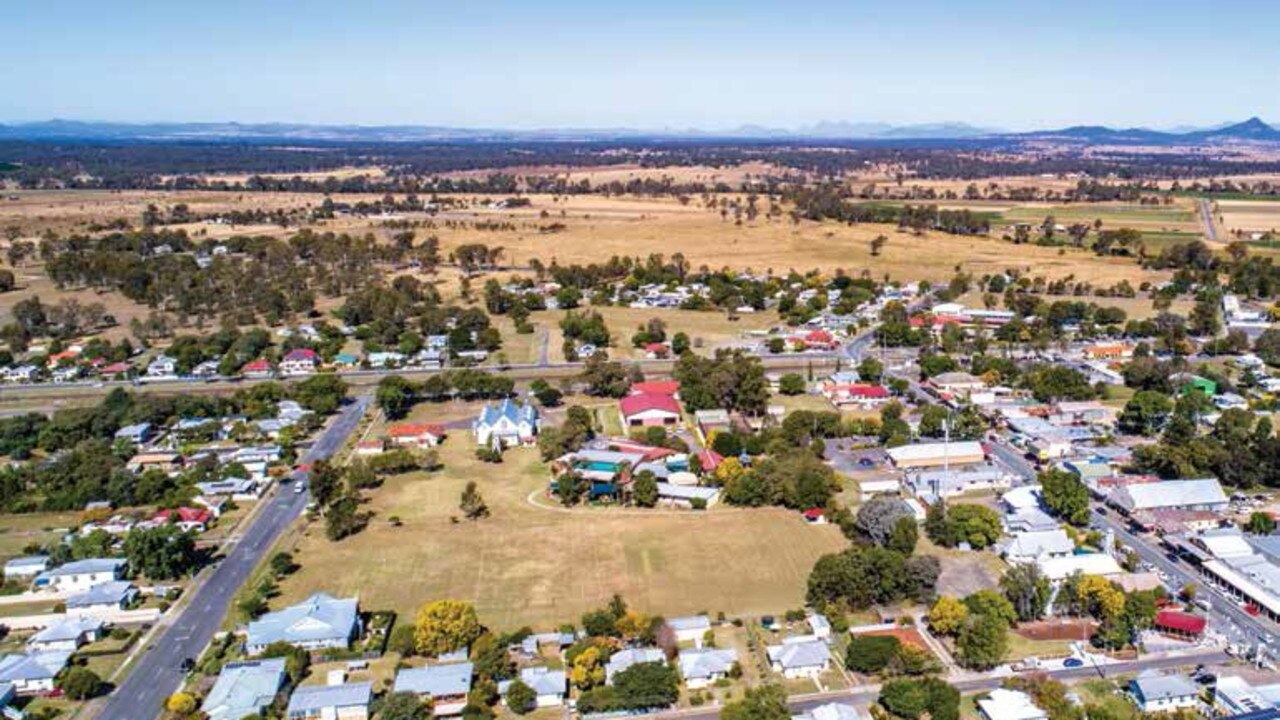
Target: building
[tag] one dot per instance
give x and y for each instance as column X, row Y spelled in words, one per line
column 868, row 489
column 137, row 434
column 701, row 667
column 550, row 686
column 32, row 673
column 299, row 361
column 25, row 567
column 1029, row 547
column 801, row 657
column 422, row 435
column 690, row 628
column 687, row 496
column 244, row 688
column 321, row 621
column 349, row 701
column 662, row 387
column 81, row 575
column 260, row 368
column 102, row 599
column 446, row 685
column 1179, row 624
column 861, row 394
column 649, row 409
column 507, row 425
column 833, row 711
column 933, row 455
column 712, row 421
column 1234, row 696
column 165, row 462
column 1205, row 494
column 1057, row 569
column 627, row 657
column 162, row 366
column 186, row 518
column 66, row 635
column 1002, row 704
column 932, row 485
column 957, row 384
column 1155, row 693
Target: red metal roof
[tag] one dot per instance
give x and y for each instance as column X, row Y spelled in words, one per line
column 416, row 430
column 1180, row 621
column 867, row 391
column 259, row 365
column 302, row 354
column 662, row 387
column 640, row 402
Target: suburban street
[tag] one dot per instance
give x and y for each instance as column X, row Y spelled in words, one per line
column 158, row 671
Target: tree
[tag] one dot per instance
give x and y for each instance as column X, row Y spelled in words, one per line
column 768, row 702
column 913, row 698
column 878, row 518
column 297, row 661
column 1050, row 383
column 871, row 653
column 791, row 384
column 404, row 706
column 394, row 396
column 321, row 394
column 877, row 244
column 472, row 503
column 80, row 683
column 1065, row 495
column 870, row 369
column 161, row 553
column 644, row 491
column 181, row 704
column 587, row 670
column 521, row 698
column 647, row 685
column 982, row 642
column 948, row 615
column 1260, row 523
column 444, row 626
column 1145, row 413
column 1028, row 590
column 604, row 378
column 977, row 525
column 990, row 602
column 904, row 536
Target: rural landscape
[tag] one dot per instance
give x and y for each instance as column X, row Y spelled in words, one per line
column 361, row 405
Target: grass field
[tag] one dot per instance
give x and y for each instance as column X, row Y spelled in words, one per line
column 18, row 531
column 1111, row 215
column 543, row 565
column 707, row 330
column 1249, row 216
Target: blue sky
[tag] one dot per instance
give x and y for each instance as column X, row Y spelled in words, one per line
column 647, row 64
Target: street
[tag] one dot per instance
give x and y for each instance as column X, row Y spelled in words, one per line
column 158, row 672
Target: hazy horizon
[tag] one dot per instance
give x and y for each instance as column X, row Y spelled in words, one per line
column 662, row 66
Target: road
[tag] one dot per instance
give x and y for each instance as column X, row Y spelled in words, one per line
column 868, row 693
column 1206, row 216
column 158, row 671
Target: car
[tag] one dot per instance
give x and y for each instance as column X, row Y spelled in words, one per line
column 866, row 462
column 1072, row 663
column 188, row 664
column 299, row 488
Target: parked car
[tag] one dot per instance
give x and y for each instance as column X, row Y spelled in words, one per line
column 1072, row 663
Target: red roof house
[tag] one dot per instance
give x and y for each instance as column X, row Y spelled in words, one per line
column 1180, row 623
column 187, row 518
column 119, row 368
column 299, row 361
column 258, row 368
column 662, row 387
column 416, row 435
column 649, row 408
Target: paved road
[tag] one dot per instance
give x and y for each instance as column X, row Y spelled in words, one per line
column 1206, row 216
column 158, row 672
column 868, row 693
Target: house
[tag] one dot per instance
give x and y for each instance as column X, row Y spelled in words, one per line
column 421, row 435
column 165, row 462
column 244, row 689
column 939, row 483
column 32, row 673
column 550, row 686
column 1204, row 494
column 260, row 368
column 206, row 369
column 647, row 409
column 162, row 366
column 1235, row 697
column 345, row 361
column 186, row 518
column 703, row 666
column 625, row 658
column 801, row 657
column 662, row 387
column 81, row 575
column 238, row 489
column 299, row 361
column 66, row 635
column 957, row 384
column 1002, row 704
column 102, row 599
column 930, row 455
column 709, row 460
column 321, row 621
column 689, row 629
column 712, row 421
column 1108, row 351
column 137, row 434
column 833, row 711
column 113, row 369
column 686, row 496
column 1027, row 547
column 1179, row 624
column 1164, row 693
column 348, row 701
column 446, row 685
column 21, row 374
column 507, row 425
column 368, row 448
column 64, row 358
column 836, row 384
column 868, row 489
column 26, row 567
column 1057, row 569
column 820, row 625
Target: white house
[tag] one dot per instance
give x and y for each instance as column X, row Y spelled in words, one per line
column 330, row 702
column 81, row 575
column 102, row 599
column 802, row 657
column 1025, row 547
column 162, row 366
column 321, row 621
column 690, row 628
column 1002, row 704
column 833, row 711
column 32, row 673
column 66, row 635
column 702, row 667
column 26, row 567
column 299, row 361
column 508, row 424
column 549, row 685
column 1155, row 693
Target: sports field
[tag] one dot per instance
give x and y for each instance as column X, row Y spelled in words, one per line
column 543, row 565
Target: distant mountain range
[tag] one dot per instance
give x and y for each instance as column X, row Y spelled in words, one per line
column 1252, row 130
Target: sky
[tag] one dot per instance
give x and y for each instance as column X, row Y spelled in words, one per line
column 648, row 64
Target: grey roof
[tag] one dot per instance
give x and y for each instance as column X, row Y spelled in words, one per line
column 320, row 617
column 66, row 630
column 704, row 663
column 32, row 666
column 832, row 711
column 31, row 561
column 544, row 681
column 313, row 698
column 436, row 680
column 244, row 688
column 800, row 654
column 84, row 567
column 690, row 622
column 1163, row 687
column 1169, row 493
column 137, row 430
column 107, row 593
column 509, row 409
column 624, row 659
column 687, row 492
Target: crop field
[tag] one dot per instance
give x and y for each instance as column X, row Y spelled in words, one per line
column 1181, row 215
column 535, row 563
column 1249, row 216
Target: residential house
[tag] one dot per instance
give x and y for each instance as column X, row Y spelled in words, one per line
column 299, row 361
column 957, row 384
column 508, row 424
column 1002, row 704
column 1028, row 547
column 258, row 369
column 712, row 421
column 244, row 689
column 1156, row 693
column 701, row 667
column 627, row 657
column 368, row 448
column 81, row 575
column 648, row 409
column 689, row 629
column 166, row 462
column 32, row 673
column 446, row 685
column 102, row 599
column 138, row 434
column 686, row 496
column 819, row 625
column 321, row 621
column 799, row 657
column 21, row 374
column 345, row 361
column 206, row 369
column 418, row 435
column 348, row 701
column 188, row 519
column 662, row 387
column 25, row 567
column 550, row 686
column 163, row 366
column 66, row 635
column 385, row 359
column 833, row 711
column 238, row 489
column 1057, row 569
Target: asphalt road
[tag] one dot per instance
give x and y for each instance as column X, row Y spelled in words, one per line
column 868, row 693
column 158, row 672
column 1206, row 216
